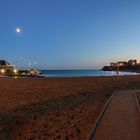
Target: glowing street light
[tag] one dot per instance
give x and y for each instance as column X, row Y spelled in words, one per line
column 2, row 71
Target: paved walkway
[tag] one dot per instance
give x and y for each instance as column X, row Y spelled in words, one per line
column 121, row 120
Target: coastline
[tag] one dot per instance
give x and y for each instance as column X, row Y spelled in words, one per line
column 55, row 108
column 135, row 71
column 83, row 73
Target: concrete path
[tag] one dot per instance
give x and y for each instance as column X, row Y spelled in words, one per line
column 121, row 120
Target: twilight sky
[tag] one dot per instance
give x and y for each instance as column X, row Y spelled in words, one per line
column 69, row 34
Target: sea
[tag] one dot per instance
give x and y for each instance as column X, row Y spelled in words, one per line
column 82, row 73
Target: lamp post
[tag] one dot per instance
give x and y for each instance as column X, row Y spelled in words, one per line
column 118, row 70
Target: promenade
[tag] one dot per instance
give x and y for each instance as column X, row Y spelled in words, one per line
column 121, row 120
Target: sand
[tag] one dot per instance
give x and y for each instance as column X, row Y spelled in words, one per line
column 138, row 97
column 55, row 108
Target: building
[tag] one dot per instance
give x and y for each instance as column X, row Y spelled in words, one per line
column 132, row 62
column 6, row 68
column 112, row 64
column 122, row 63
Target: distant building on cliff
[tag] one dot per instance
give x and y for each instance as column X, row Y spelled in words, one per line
column 112, row 64
column 123, row 65
column 132, row 62
column 119, row 63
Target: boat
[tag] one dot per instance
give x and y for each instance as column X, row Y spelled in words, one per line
column 32, row 72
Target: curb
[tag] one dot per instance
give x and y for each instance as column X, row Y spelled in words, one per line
column 137, row 102
column 100, row 117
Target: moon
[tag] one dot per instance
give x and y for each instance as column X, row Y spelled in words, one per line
column 18, row 30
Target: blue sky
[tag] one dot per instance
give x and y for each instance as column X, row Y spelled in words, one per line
column 69, row 34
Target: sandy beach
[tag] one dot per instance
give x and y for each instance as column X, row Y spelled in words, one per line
column 138, row 97
column 55, row 108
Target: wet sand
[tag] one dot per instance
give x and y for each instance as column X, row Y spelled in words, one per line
column 55, row 108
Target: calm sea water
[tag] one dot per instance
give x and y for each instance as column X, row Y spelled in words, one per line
column 81, row 73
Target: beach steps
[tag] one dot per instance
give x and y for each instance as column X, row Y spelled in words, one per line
column 121, row 119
